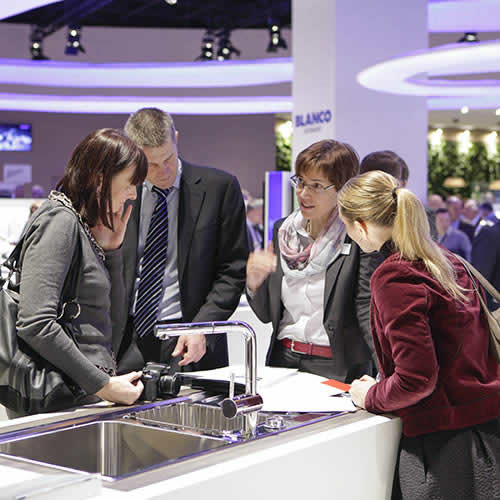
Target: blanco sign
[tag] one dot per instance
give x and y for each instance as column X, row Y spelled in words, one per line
column 17, row 174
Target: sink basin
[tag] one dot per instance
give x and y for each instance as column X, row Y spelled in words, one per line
column 111, row 448
column 202, row 418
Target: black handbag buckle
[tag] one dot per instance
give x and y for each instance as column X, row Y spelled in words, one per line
column 70, row 310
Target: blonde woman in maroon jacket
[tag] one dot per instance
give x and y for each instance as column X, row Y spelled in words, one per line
column 432, row 340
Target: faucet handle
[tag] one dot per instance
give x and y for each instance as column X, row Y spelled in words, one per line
column 239, row 405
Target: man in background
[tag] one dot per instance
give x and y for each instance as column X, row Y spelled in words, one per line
column 185, row 252
column 391, row 163
column 455, row 208
column 453, row 239
column 486, row 258
column 255, row 227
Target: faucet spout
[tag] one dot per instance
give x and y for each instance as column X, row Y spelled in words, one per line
column 165, row 331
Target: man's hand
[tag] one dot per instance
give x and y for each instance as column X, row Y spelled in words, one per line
column 111, row 240
column 192, row 347
column 359, row 388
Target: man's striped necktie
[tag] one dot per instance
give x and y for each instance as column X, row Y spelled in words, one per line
column 154, row 260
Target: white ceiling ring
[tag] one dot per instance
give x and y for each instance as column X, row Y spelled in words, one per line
column 15, row 7
column 146, row 75
column 464, row 16
column 408, row 74
column 195, row 106
column 129, row 104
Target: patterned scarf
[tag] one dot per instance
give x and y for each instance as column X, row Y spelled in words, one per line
column 299, row 252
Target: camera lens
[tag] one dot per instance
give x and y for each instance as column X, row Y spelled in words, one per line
column 169, row 384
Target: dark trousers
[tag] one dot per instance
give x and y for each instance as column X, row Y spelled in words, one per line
column 461, row 464
column 285, row 358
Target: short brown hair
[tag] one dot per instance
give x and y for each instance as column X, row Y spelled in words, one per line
column 93, row 164
column 150, row 127
column 385, row 161
column 336, row 160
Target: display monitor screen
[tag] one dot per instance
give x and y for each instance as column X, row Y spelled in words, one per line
column 15, row 137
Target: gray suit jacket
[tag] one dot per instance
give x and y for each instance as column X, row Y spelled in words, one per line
column 212, row 252
column 346, row 307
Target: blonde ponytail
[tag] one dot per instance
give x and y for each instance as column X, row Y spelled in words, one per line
column 376, row 197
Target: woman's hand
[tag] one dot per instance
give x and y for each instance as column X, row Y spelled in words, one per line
column 122, row 389
column 359, row 389
column 260, row 265
column 111, row 240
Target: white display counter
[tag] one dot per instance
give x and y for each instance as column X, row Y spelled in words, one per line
column 347, row 457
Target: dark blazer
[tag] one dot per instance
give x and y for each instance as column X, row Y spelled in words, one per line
column 346, row 306
column 486, row 257
column 436, row 371
column 212, row 251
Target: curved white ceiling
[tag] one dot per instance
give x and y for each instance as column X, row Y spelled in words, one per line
column 408, row 75
column 127, row 104
column 464, row 15
column 146, row 75
column 15, row 7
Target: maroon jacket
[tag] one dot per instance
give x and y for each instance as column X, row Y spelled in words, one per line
column 437, row 373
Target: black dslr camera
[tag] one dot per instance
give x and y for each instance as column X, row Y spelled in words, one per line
column 158, row 383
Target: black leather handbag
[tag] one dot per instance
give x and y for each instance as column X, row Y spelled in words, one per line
column 29, row 384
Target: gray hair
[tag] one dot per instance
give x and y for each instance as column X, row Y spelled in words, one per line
column 150, row 127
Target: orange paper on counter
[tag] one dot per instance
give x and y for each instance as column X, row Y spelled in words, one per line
column 337, row 384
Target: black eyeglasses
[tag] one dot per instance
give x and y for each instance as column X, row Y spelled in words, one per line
column 315, row 187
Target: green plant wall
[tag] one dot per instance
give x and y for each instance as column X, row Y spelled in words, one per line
column 475, row 167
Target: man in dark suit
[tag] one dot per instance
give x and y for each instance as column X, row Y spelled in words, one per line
column 391, row 163
column 486, row 257
column 185, row 252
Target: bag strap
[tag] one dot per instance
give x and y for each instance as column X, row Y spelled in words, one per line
column 69, row 306
column 471, row 270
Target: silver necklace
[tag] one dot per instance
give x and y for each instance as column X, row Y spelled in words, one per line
column 62, row 198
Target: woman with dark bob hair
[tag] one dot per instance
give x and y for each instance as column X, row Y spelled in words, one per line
column 313, row 282
column 87, row 210
column 432, row 339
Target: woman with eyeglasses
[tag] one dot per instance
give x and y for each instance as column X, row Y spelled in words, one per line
column 313, row 282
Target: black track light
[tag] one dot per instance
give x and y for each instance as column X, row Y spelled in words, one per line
column 276, row 41
column 225, row 49
column 36, row 44
column 469, row 37
column 73, row 44
column 207, row 47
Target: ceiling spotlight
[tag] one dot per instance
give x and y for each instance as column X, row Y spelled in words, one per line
column 73, row 44
column 226, row 49
column 171, row 2
column 207, row 47
column 276, row 42
column 36, row 44
column 469, row 37
column 464, row 110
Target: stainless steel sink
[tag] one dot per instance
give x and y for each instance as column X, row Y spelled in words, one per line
column 112, row 448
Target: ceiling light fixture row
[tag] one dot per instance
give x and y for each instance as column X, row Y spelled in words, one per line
column 225, row 48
